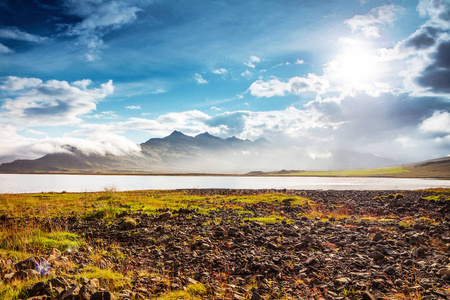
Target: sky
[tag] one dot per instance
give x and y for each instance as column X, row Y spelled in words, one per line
column 106, row 75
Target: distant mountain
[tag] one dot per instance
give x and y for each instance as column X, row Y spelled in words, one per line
column 203, row 153
column 436, row 168
column 201, row 141
column 174, row 153
column 57, row 162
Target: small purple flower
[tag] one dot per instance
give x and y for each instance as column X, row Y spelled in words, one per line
column 42, row 267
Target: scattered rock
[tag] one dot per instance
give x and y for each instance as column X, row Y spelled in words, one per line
column 375, row 259
column 103, row 295
column 127, row 223
column 367, row 296
column 342, row 280
column 377, row 237
column 311, row 261
column 29, row 263
column 444, row 271
column 165, row 216
column 72, row 293
column 40, row 288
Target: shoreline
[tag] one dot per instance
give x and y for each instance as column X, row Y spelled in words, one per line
column 235, row 175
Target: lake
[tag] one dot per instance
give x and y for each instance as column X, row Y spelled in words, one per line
column 36, row 183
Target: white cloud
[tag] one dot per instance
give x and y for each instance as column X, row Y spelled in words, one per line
column 421, row 59
column 406, row 141
column 437, row 11
column 14, row 83
column 295, row 85
column 279, row 65
column 35, row 132
column 13, row 144
column 220, row 71
column 369, row 24
column 252, row 61
column 99, row 15
column 32, row 101
column 190, row 122
column 362, row 123
column 438, row 123
column 245, row 124
column 247, row 74
column 4, row 49
column 14, row 33
column 291, row 122
column 299, row 62
column 84, row 83
column 104, row 115
column 93, row 139
column 97, row 19
column 98, row 141
column 216, row 108
column 271, row 88
column 158, row 91
column 132, row 107
column 367, row 99
column 199, row 78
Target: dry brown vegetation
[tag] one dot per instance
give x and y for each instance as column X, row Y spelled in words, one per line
column 233, row 244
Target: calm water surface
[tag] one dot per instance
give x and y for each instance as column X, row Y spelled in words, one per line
column 36, row 183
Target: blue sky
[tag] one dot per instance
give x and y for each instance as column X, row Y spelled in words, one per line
column 370, row 76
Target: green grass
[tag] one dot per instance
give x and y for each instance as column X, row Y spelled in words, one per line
column 192, row 291
column 101, row 274
column 105, row 205
column 113, row 280
column 14, row 290
column 354, row 172
column 19, row 240
column 386, row 220
column 245, row 212
column 31, row 239
column 440, row 197
column 267, row 220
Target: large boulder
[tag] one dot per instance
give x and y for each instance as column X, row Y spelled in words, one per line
column 29, row 263
column 128, row 223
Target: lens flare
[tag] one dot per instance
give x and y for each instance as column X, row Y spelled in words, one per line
column 72, row 248
column 43, row 267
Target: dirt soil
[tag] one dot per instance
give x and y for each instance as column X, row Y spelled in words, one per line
column 390, row 247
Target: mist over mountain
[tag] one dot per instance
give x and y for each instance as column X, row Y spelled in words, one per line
column 204, row 153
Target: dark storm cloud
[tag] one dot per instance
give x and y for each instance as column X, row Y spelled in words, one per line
column 423, row 38
column 48, row 109
column 367, row 118
column 32, row 101
column 436, row 76
column 234, row 121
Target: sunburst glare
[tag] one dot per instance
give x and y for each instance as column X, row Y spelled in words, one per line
column 356, row 64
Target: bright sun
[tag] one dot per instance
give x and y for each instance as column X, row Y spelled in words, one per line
column 355, row 65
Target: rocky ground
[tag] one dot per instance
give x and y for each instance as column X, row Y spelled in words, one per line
column 343, row 245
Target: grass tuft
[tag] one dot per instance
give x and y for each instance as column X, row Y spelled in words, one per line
column 192, row 292
column 267, row 220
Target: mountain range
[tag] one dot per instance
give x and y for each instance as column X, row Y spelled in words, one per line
column 204, row 153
